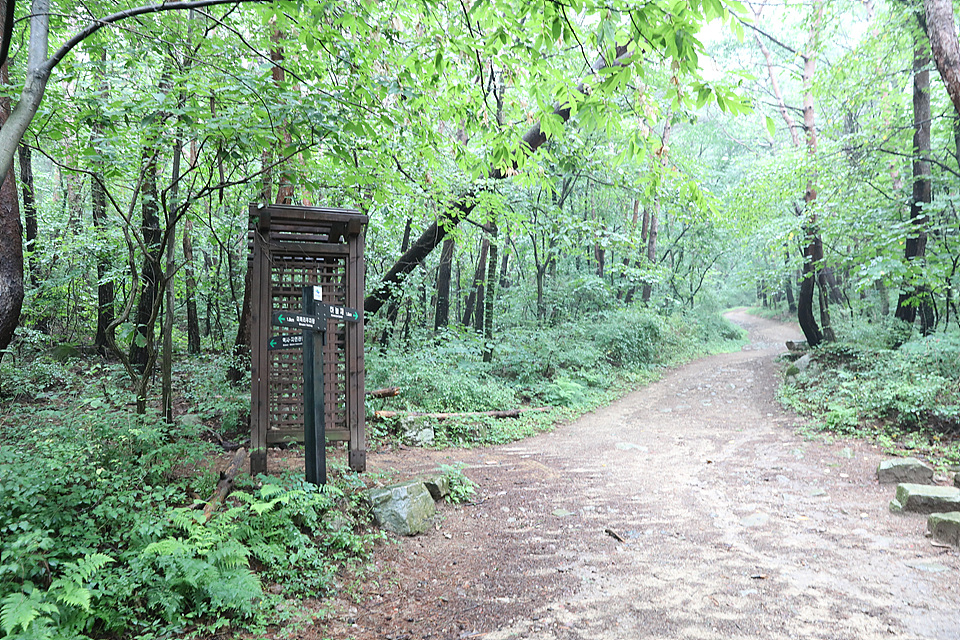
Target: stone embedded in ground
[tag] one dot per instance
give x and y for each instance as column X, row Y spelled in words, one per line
column 438, row 486
column 416, row 432
column 925, row 498
column 806, row 363
column 755, row 520
column 945, row 527
column 404, row 508
column 909, row 470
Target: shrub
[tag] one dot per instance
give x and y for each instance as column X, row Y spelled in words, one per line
column 631, row 338
column 98, row 535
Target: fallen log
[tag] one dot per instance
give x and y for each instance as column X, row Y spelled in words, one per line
column 387, row 392
column 510, row 413
column 225, row 485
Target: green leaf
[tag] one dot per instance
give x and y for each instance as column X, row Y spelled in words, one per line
column 771, row 126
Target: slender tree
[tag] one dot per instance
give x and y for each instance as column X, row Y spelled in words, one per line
column 916, row 242
column 442, row 314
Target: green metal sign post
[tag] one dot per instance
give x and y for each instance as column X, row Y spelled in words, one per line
column 313, row 320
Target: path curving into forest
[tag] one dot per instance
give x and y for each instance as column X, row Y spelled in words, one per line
column 733, row 526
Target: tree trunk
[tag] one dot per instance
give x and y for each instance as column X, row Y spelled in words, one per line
column 171, row 208
column 813, row 249
column 914, row 294
column 240, row 361
column 190, row 283
column 475, row 299
column 393, row 310
column 491, row 297
column 27, row 190
column 143, row 342
column 105, row 291
column 651, row 249
column 504, row 283
column 442, row 314
column 600, row 255
column 940, row 26
column 106, row 295
column 777, row 92
column 788, row 282
column 652, row 221
column 808, row 323
column 11, row 246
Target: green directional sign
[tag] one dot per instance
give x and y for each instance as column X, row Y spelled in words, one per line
column 343, row 314
column 296, row 320
column 289, row 341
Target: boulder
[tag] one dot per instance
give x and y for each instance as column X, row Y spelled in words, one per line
column 438, row 486
column 415, row 431
column 945, row 527
column 909, row 470
column 404, row 508
column 925, row 498
column 807, row 365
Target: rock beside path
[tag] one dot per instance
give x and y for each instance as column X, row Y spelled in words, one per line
column 438, row 486
column 406, row 508
column 945, row 527
column 909, row 470
column 924, row 498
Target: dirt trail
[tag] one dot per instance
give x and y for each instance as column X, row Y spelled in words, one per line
column 733, row 527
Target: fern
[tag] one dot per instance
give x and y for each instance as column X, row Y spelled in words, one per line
column 19, row 611
column 65, row 605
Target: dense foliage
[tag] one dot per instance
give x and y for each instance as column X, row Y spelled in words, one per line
column 908, row 398
column 101, row 533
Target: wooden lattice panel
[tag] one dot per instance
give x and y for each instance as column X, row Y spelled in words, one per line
column 289, row 276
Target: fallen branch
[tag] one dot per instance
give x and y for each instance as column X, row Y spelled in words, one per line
column 388, row 392
column 225, row 485
column 511, row 413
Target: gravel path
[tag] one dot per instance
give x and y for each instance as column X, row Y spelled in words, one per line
column 689, row 509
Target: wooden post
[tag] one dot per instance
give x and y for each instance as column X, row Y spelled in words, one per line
column 357, row 455
column 260, row 303
column 314, row 405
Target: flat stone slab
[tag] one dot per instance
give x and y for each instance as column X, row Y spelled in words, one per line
column 945, row 527
column 925, row 498
column 406, row 508
column 909, row 470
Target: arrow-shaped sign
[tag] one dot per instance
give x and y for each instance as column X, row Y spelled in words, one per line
column 289, row 341
column 334, row 312
column 325, row 312
column 296, row 320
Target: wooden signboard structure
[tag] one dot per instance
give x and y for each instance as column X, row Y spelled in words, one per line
column 294, row 250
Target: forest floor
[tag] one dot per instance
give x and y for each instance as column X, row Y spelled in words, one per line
column 689, row 509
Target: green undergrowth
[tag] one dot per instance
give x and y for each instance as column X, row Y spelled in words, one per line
column 102, row 533
column 570, row 368
column 907, row 399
